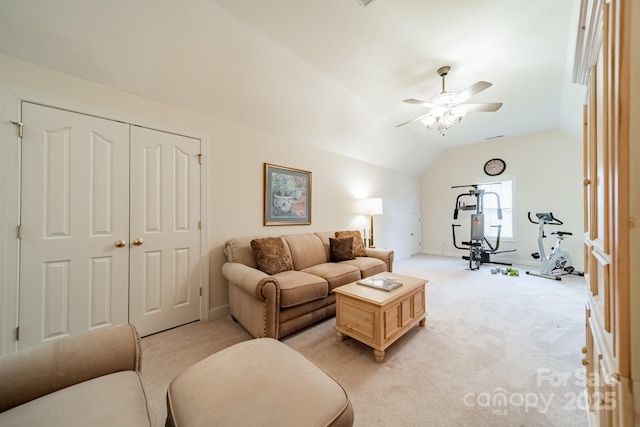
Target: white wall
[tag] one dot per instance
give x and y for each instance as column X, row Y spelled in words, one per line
column 235, row 163
column 237, row 154
column 547, row 173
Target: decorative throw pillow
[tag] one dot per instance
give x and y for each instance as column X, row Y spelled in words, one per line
column 340, row 249
column 271, row 255
column 358, row 244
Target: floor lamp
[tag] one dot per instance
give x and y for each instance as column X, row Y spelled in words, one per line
column 373, row 206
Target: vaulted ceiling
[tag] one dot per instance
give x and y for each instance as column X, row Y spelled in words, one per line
column 329, row 73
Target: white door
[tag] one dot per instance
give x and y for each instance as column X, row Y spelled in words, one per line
column 84, row 202
column 75, row 208
column 415, row 233
column 165, row 230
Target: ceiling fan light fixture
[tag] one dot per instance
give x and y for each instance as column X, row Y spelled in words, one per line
column 449, row 119
column 446, row 108
column 459, row 111
column 438, row 111
column 429, row 121
column 445, row 99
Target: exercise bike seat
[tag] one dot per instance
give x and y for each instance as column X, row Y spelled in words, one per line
column 562, row 233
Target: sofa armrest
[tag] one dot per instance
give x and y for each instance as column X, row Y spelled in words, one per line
column 34, row 372
column 385, row 255
column 254, row 299
column 249, row 279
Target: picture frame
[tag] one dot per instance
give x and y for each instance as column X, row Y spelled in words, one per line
column 287, row 196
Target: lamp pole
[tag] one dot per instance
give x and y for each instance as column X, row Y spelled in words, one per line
column 372, row 206
column 371, row 245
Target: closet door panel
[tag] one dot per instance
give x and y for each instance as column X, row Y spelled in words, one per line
column 75, row 208
column 165, row 230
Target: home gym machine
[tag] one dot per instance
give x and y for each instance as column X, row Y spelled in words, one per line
column 478, row 253
column 558, row 262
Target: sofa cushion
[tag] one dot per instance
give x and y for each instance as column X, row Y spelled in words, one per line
column 340, row 249
column 324, row 236
column 306, row 249
column 337, row 274
column 271, row 255
column 358, row 244
column 297, row 287
column 307, row 313
column 111, row 400
column 239, row 250
column 368, row 266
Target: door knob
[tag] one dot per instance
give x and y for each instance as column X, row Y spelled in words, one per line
column 138, row 242
column 120, row 244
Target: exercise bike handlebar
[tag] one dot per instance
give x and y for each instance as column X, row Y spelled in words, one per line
column 546, row 218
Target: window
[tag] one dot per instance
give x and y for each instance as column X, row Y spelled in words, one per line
column 504, row 190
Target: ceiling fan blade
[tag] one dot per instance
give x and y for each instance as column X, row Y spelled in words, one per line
column 412, row 120
column 488, row 107
column 473, row 90
column 418, row 102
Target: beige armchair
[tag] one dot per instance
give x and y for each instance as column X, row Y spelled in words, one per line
column 86, row 380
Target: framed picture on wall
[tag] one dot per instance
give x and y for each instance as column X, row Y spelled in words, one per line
column 287, row 196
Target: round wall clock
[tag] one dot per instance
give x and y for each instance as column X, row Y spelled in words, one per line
column 494, row 167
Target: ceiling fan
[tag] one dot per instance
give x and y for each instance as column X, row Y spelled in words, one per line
column 448, row 107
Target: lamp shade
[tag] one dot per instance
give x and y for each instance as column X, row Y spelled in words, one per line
column 372, row 206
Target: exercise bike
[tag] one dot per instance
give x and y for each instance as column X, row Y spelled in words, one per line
column 478, row 253
column 558, row 262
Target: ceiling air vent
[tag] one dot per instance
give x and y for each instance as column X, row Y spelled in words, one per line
column 364, row 2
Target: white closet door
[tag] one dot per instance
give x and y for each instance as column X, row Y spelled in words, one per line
column 75, row 208
column 165, row 230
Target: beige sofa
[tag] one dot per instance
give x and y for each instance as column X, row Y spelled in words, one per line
column 274, row 305
column 91, row 379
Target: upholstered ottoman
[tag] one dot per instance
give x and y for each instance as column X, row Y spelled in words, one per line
column 261, row 382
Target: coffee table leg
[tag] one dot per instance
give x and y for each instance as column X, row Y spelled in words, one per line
column 423, row 322
column 340, row 336
column 379, row 355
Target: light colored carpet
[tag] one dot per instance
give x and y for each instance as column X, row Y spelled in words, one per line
column 497, row 350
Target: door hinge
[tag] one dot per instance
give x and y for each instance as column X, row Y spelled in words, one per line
column 200, row 290
column 19, row 232
column 20, row 126
column 18, row 333
column 200, row 158
column 199, row 225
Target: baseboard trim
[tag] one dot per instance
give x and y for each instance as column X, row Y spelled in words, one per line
column 217, row 312
column 522, row 262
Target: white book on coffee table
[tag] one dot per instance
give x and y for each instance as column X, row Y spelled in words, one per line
column 380, row 283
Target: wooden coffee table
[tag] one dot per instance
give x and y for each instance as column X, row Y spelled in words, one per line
column 378, row 318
